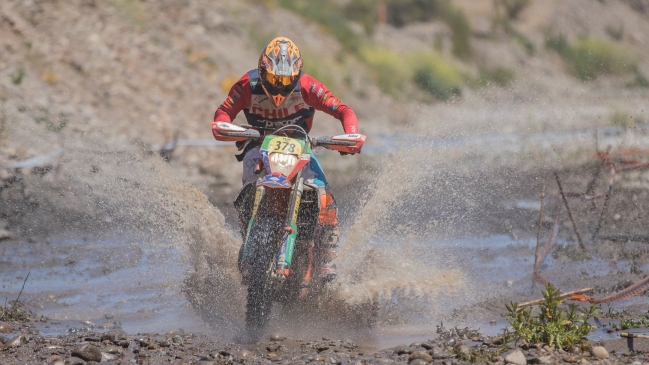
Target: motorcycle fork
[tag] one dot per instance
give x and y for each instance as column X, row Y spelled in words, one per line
column 289, row 237
column 260, row 191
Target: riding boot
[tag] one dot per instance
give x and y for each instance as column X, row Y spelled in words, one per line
column 326, row 246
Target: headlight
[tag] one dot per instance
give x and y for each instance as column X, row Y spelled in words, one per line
column 282, row 163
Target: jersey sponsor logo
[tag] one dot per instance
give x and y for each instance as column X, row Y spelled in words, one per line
column 275, row 113
column 279, row 123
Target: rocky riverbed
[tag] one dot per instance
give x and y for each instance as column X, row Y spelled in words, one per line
column 88, row 344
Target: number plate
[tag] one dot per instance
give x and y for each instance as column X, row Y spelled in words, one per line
column 285, row 145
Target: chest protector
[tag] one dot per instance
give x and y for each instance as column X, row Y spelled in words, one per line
column 264, row 115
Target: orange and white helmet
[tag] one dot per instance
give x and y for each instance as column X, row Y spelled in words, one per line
column 280, row 68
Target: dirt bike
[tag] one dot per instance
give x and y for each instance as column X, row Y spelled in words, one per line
column 281, row 210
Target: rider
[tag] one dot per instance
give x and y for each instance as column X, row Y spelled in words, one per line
column 275, row 94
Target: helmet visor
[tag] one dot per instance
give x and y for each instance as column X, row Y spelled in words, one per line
column 280, row 82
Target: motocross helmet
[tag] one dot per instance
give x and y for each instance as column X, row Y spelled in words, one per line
column 280, row 68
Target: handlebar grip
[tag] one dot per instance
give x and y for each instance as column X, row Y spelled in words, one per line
column 250, row 133
column 323, row 141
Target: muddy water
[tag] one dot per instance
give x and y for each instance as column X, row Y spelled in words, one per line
column 131, row 281
column 392, row 249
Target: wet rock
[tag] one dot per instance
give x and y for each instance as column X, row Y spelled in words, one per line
column 245, row 354
column 178, row 331
column 125, row 344
column 273, row 347
column 418, row 362
column 277, row 337
column 402, row 349
column 177, row 339
column 515, row 357
column 87, row 352
column 75, row 361
column 442, row 355
column 112, row 350
column 143, row 342
column 540, row 360
column 416, row 344
column 92, row 339
column 3, row 340
column 463, row 349
column 420, row 355
column 204, row 361
column 165, row 343
column 109, row 336
column 16, row 341
column 428, row 346
column 599, row 352
column 5, row 327
column 6, row 235
column 571, row 359
column 108, row 357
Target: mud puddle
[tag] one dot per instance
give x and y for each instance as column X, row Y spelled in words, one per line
column 99, row 283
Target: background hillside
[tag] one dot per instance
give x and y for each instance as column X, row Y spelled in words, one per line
column 93, row 76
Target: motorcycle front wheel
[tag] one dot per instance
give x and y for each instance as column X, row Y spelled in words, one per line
column 262, row 253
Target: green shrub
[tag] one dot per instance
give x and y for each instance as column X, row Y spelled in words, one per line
column 622, row 119
column 553, row 325
column 499, row 75
column 389, row 70
column 18, row 76
column 590, row 58
column 436, row 76
column 404, row 12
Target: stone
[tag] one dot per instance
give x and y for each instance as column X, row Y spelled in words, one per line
column 575, row 350
column 112, row 350
column 75, row 361
column 571, row 359
column 515, row 357
column 87, row 352
column 423, row 355
column 540, row 360
column 204, row 361
column 599, row 352
column 277, row 337
column 177, row 339
column 463, row 349
column 273, row 347
column 5, row 327
column 109, row 336
column 245, row 354
column 165, row 343
column 402, row 349
column 105, row 357
column 16, row 341
column 418, row 362
column 178, row 331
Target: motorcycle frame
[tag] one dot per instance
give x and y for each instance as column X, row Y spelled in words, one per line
column 288, row 240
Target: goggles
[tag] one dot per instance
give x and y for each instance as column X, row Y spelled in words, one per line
column 279, row 81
